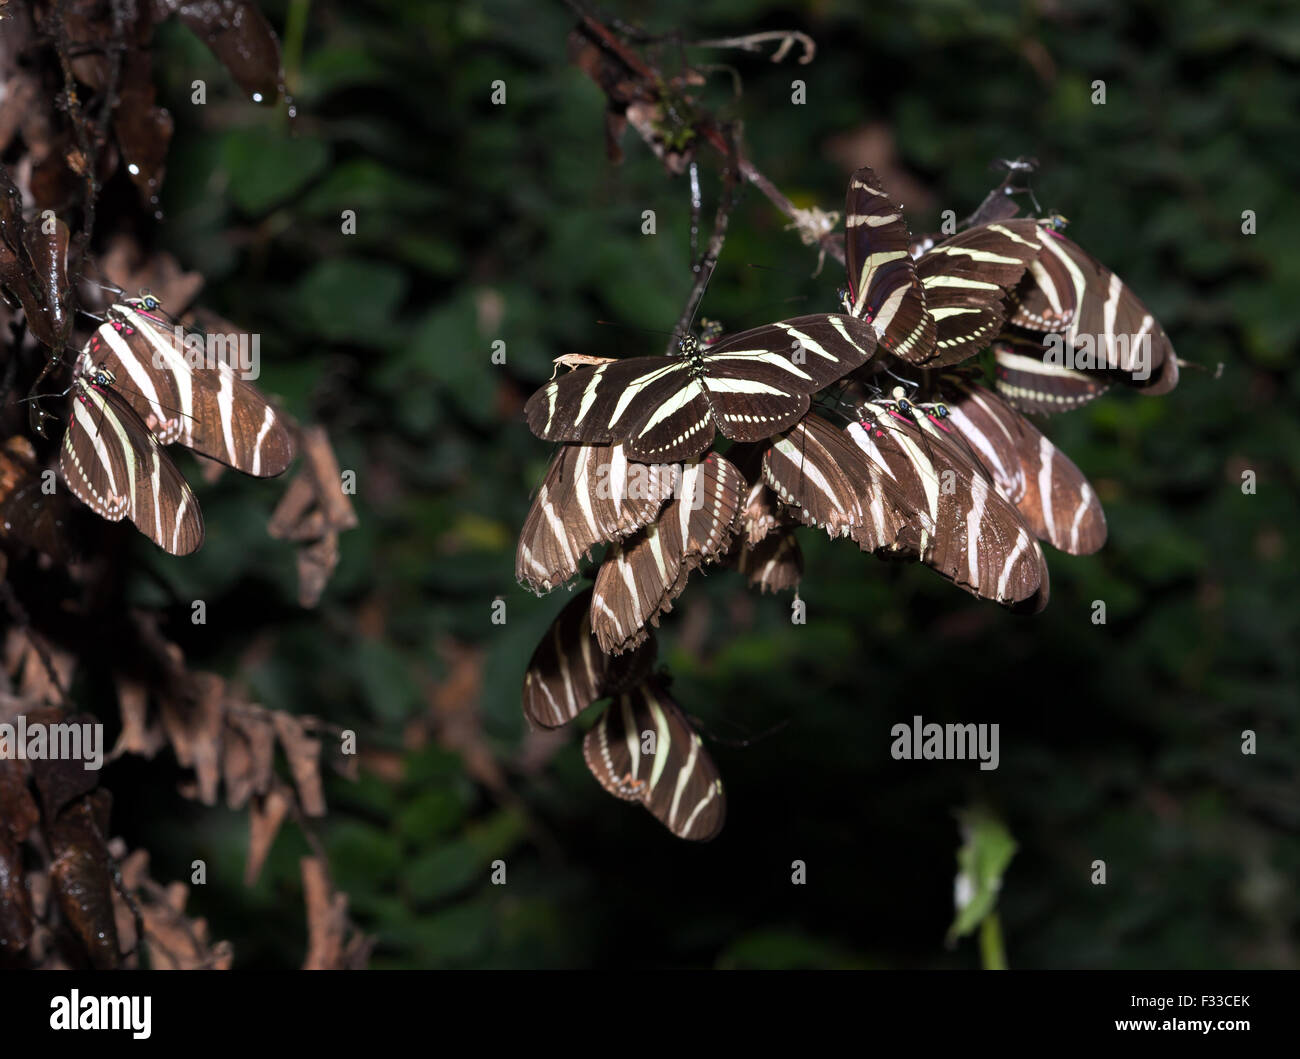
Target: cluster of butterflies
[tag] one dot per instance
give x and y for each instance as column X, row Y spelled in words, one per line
column 942, row 469
column 135, row 388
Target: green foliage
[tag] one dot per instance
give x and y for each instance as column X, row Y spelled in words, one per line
column 478, row 223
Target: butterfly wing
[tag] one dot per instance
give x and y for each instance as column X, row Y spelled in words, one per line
column 568, row 670
column 591, row 494
column 642, row 575
column 882, row 276
column 190, row 397
column 643, row 749
column 966, row 279
column 1050, row 492
column 112, row 463
column 978, row 540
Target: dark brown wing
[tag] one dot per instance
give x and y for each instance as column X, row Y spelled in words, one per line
column 826, row 481
column 591, row 494
column 643, row 749
column 641, row 576
column 664, row 409
column 882, row 276
column 1109, row 328
column 978, row 540
column 1050, row 492
column 568, row 670
column 966, row 279
column 1025, row 378
column 187, row 388
column 774, row 564
column 112, row 463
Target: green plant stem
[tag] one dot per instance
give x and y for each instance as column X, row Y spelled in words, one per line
column 295, row 29
column 992, row 951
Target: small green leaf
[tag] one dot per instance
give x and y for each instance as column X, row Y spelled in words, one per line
column 986, row 850
column 266, row 167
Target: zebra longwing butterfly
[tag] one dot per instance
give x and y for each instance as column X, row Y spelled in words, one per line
column 643, row 749
column 643, row 574
column 748, row 386
column 198, row 402
column 1069, row 291
column 966, row 280
column 569, row 671
column 947, row 304
column 112, row 463
column 883, row 285
column 1027, row 382
column 827, row 482
column 591, row 494
column 978, row 541
column 1049, row 491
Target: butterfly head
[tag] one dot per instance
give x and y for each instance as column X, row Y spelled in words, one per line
column 148, row 302
column 102, row 376
column 900, row 399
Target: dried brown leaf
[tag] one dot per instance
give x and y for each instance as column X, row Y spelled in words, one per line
column 248, row 757
column 316, row 562
column 241, row 37
column 81, row 872
column 137, row 736
column 303, row 752
column 265, row 816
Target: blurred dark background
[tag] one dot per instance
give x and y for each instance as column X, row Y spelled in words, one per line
column 475, row 222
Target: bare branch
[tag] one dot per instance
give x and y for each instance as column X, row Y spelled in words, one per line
column 704, row 266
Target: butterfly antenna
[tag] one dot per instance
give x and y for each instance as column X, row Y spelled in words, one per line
column 749, row 741
column 906, row 382
column 1217, row 370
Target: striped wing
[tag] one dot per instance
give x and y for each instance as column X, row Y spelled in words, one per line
column 760, row 515
column 604, row 404
column 758, row 382
column 1025, row 379
column 882, row 277
column 827, row 482
column 979, row 541
column 1073, row 293
column 774, row 564
column 196, row 401
column 568, row 670
column 591, row 494
column 643, row 749
column 664, row 409
column 112, row 463
column 966, row 280
column 1049, row 491
column 1046, row 298
column 641, row 576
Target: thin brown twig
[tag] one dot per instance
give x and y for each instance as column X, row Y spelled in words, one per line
column 704, row 266
column 706, row 127
column 62, row 47
column 753, row 42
